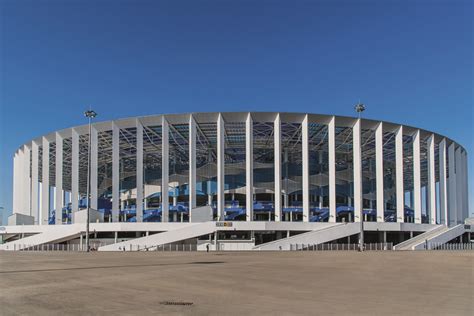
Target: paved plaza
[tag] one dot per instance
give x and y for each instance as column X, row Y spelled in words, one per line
column 247, row 283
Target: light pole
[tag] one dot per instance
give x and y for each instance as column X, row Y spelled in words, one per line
column 359, row 108
column 90, row 114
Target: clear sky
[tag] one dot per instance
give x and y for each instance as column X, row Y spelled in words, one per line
column 410, row 62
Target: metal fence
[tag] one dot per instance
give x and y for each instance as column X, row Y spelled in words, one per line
column 341, row 247
column 441, row 246
column 95, row 246
column 57, row 247
column 167, row 247
column 191, row 247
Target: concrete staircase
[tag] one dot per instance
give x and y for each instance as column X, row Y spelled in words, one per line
column 418, row 242
column 171, row 236
column 443, row 237
column 326, row 234
column 57, row 234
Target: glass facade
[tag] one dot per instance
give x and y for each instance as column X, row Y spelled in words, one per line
column 178, row 180
column 52, row 183
column 424, row 179
column 234, row 170
column 408, row 181
column 369, row 177
column 83, row 161
column 263, row 170
column 67, row 180
column 389, row 177
column 152, row 173
column 127, row 173
column 206, row 165
column 318, row 171
column 437, row 183
column 104, row 174
column 344, row 175
column 291, row 171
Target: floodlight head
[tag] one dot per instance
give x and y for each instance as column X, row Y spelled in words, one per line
column 90, row 114
column 359, row 107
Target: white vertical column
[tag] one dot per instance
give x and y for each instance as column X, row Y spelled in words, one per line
column 192, row 166
column 332, row 169
column 357, row 154
column 220, row 168
column 459, row 184
column 21, row 185
column 431, row 180
column 417, row 176
column 443, row 188
column 20, row 182
column 249, row 167
column 464, row 210
column 45, row 184
column 27, row 180
column 16, row 167
column 400, row 191
column 34, row 181
column 165, row 170
column 53, row 200
column 379, row 172
column 465, row 186
column 305, row 171
column 94, row 169
column 58, row 196
column 115, row 172
column 25, row 183
column 21, row 190
column 452, row 215
column 75, row 172
column 25, row 177
column 277, row 166
column 139, row 166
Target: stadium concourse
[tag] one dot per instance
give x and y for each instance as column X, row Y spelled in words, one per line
column 238, row 181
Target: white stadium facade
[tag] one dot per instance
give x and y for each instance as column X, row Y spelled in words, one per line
column 238, row 181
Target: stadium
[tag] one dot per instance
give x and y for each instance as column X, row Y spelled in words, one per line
column 238, row 181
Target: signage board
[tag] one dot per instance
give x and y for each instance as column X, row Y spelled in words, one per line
column 223, row 224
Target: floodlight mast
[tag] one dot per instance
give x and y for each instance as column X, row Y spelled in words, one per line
column 359, row 108
column 90, row 114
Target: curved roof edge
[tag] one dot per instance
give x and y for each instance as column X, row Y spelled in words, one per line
column 236, row 116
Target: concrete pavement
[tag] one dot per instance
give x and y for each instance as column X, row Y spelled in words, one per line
column 266, row 283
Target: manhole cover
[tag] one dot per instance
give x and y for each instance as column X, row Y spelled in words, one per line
column 176, row 303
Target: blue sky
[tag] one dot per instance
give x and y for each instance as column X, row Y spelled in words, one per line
column 410, row 62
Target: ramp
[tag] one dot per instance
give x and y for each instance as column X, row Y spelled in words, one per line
column 171, row 236
column 419, row 241
column 443, row 237
column 326, row 234
column 55, row 234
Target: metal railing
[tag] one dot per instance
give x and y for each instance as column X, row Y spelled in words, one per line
column 56, row 247
column 341, row 247
column 95, row 246
column 167, row 247
column 442, row 246
column 191, row 247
